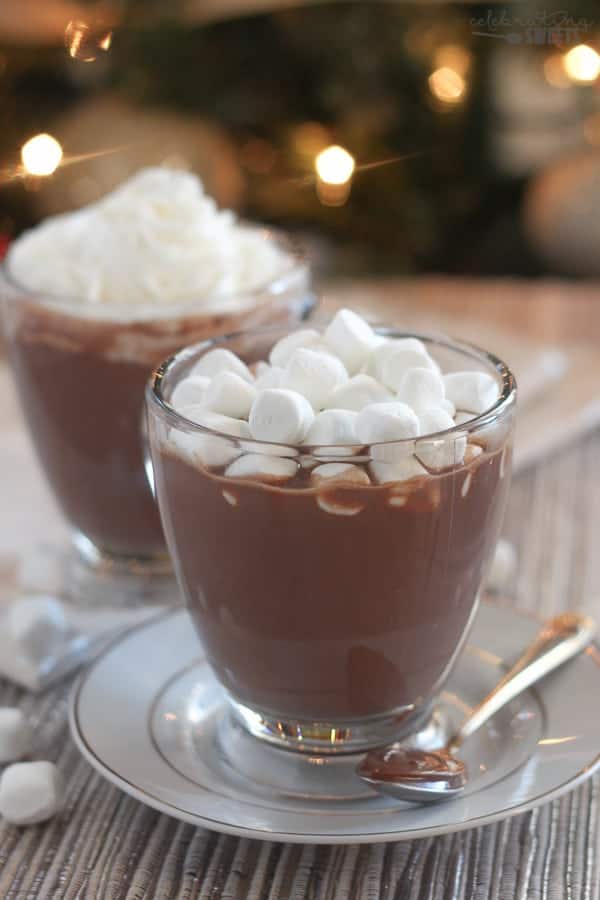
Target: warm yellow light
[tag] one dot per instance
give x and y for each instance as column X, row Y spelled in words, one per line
column 41, row 155
column 582, row 64
column 447, row 85
column 334, row 165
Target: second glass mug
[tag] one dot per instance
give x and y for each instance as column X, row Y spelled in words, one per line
column 81, row 379
column 331, row 613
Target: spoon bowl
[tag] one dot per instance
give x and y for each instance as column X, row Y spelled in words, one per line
column 425, row 775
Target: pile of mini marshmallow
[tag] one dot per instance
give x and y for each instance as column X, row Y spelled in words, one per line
column 345, row 386
column 30, row 792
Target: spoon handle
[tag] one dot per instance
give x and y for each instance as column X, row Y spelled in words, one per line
column 559, row 640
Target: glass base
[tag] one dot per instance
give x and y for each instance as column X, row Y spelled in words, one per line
column 330, row 738
column 95, row 577
column 277, row 773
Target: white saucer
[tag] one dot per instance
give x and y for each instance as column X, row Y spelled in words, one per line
column 149, row 716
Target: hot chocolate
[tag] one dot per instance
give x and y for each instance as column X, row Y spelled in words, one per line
column 94, row 300
column 330, row 538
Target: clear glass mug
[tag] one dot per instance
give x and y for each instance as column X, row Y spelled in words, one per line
column 330, row 611
column 81, row 380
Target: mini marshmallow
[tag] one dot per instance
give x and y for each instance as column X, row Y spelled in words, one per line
column 433, row 420
column 503, row 567
column 393, row 358
column 271, row 469
column 30, row 792
column 439, row 453
column 358, row 392
column 37, row 625
column 391, row 421
column 474, row 392
column 376, row 354
column 332, row 427
column 350, row 338
column 314, row 375
column 401, row 470
column 269, row 377
column 461, row 417
column 230, row 395
column 342, row 472
column 421, row 389
column 281, row 416
column 282, row 352
column 221, row 360
column 208, row 449
column 190, row 392
column 449, row 406
column 216, row 421
column 15, row 734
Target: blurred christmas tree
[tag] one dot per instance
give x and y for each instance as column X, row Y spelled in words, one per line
column 405, row 88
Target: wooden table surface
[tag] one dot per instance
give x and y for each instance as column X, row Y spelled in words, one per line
column 107, row 845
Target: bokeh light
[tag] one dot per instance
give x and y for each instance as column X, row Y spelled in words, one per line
column 85, row 40
column 447, row 85
column 334, row 165
column 582, row 64
column 41, row 155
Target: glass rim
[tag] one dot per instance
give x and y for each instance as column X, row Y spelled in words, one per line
column 292, row 247
column 505, row 401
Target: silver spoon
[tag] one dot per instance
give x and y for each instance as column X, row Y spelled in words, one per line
column 426, row 776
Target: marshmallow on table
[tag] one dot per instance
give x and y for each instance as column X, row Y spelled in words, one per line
column 340, row 472
column 314, row 375
column 37, row 625
column 391, row 421
column 281, row 416
column 282, row 351
column 421, row 389
column 439, row 453
column 271, row 469
column 350, row 338
column 190, row 391
column 30, row 792
column 332, row 427
column 269, row 377
column 221, row 360
column 356, row 393
column 474, row 392
column 392, row 359
column 230, row 395
column 402, row 469
column 15, row 734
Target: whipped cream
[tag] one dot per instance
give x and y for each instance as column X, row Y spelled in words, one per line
column 157, row 240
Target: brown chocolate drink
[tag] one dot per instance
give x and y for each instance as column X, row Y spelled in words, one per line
column 93, row 300
column 332, row 602
column 81, row 384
